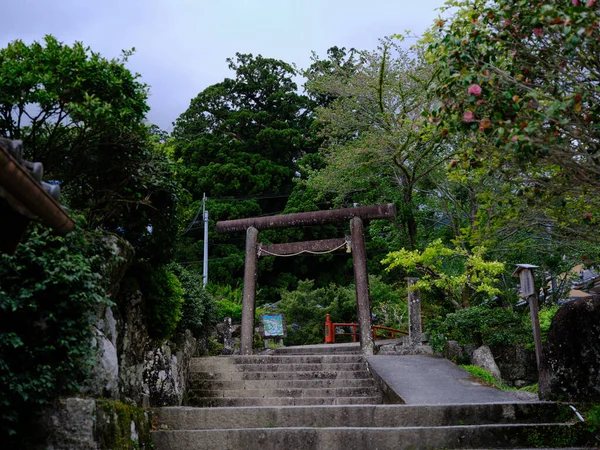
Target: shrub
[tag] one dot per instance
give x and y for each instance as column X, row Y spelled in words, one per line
column 228, row 302
column 480, row 325
column 306, row 307
column 164, row 299
column 48, row 292
column 198, row 310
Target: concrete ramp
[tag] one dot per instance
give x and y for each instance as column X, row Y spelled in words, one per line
column 433, row 380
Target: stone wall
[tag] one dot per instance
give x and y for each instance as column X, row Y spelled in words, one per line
column 131, row 371
column 87, row 423
column 517, row 365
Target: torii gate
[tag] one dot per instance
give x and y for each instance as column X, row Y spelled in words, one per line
column 359, row 257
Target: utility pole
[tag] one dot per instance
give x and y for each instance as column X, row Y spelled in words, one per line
column 205, row 262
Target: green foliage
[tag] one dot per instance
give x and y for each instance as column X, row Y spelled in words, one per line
column 460, row 273
column 82, row 116
column 546, row 315
column 228, row 302
column 389, row 305
column 214, row 347
column 198, row 311
column 48, row 292
column 592, row 420
column 533, row 388
column 520, row 82
column 377, row 146
column 305, row 309
column 480, row 325
column 240, row 142
column 164, row 298
column 483, row 375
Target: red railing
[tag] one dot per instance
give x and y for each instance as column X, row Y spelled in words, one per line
column 331, row 326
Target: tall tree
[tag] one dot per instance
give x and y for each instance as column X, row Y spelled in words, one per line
column 239, row 142
column 378, row 146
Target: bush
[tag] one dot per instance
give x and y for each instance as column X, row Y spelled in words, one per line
column 480, row 325
column 164, row 299
column 228, row 302
column 198, row 310
column 48, row 292
column 306, row 307
column 388, row 304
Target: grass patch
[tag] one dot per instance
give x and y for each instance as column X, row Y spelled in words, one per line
column 533, row 388
column 484, row 377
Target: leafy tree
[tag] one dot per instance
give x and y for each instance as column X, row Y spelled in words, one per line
column 377, row 145
column 459, row 273
column 240, row 142
column 198, row 310
column 82, row 116
column 522, row 79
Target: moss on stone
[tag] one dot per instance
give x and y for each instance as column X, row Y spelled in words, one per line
column 122, row 427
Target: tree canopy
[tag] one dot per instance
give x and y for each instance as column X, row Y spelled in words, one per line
column 82, row 116
column 520, row 80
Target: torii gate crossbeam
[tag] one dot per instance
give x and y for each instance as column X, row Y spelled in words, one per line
column 356, row 217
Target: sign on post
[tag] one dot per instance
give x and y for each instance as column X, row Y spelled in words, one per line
column 525, row 274
column 273, row 326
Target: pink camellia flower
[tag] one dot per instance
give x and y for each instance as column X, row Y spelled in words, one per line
column 590, row 3
column 575, row 2
column 469, row 116
column 515, row 138
column 537, row 31
column 475, row 90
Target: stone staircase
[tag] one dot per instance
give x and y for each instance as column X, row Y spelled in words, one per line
column 327, row 400
column 281, row 380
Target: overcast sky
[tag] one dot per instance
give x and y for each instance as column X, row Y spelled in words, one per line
column 181, row 45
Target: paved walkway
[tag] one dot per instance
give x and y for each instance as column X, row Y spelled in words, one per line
column 433, row 380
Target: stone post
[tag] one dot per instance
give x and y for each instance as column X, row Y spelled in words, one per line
column 249, row 299
column 227, row 337
column 415, row 335
column 361, row 280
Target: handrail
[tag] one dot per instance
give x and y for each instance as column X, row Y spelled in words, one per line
column 331, row 326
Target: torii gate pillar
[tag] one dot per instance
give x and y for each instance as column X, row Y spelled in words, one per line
column 361, row 280
column 249, row 299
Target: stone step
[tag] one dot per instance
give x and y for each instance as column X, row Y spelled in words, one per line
column 361, row 415
column 279, row 367
column 281, row 384
column 212, row 402
column 275, row 359
column 343, row 349
column 279, row 375
column 354, row 438
column 294, row 359
column 289, row 392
